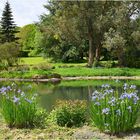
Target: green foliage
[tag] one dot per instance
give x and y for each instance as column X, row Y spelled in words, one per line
column 8, row 28
column 30, row 38
column 83, row 28
column 42, row 66
column 115, row 111
column 70, row 113
column 18, row 107
column 115, row 42
column 109, row 64
column 9, row 54
column 40, row 118
column 22, row 68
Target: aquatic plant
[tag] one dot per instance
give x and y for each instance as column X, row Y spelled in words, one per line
column 112, row 111
column 18, row 107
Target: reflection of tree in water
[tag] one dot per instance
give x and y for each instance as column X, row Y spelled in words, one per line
column 64, row 93
column 50, row 93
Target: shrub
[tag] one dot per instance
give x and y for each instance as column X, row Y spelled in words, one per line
column 114, row 112
column 70, row 113
column 9, row 54
column 110, row 64
column 40, row 118
column 21, row 68
column 43, row 66
column 18, row 107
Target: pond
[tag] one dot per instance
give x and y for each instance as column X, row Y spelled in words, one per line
column 82, row 90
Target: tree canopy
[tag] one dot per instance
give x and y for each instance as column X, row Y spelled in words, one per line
column 86, row 27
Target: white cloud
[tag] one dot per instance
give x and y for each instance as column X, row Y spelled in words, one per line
column 25, row 11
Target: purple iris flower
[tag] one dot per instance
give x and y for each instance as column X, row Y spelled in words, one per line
column 16, row 100
column 29, row 101
column 133, row 86
column 112, row 101
column 118, row 112
column 105, row 111
column 105, row 86
column 97, row 103
column 129, row 108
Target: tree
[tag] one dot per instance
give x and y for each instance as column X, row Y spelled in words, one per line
column 58, row 46
column 115, row 42
column 81, row 21
column 87, row 21
column 30, row 37
column 8, row 40
column 123, row 37
column 8, row 28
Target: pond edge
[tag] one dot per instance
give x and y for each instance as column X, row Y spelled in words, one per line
column 73, row 78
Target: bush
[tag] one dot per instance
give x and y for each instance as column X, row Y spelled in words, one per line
column 40, row 118
column 9, row 54
column 21, row 68
column 42, row 66
column 113, row 112
column 110, row 64
column 18, row 108
column 70, row 113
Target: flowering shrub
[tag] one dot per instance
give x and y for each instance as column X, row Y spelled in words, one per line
column 18, row 108
column 70, row 113
column 115, row 112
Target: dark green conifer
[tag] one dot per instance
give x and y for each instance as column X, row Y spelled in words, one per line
column 8, row 27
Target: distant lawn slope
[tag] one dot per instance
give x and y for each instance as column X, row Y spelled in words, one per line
column 32, row 60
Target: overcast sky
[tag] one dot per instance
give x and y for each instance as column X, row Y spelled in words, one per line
column 25, row 11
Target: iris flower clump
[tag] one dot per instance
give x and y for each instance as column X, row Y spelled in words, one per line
column 115, row 111
column 18, row 107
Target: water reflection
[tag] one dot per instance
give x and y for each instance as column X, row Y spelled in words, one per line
column 81, row 90
column 65, row 93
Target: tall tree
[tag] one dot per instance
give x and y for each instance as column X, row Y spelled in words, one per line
column 75, row 21
column 8, row 28
column 81, row 20
column 30, row 38
column 123, row 36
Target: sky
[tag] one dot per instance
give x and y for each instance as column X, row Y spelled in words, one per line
column 25, row 11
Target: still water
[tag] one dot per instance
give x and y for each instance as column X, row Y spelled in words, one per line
column 82, row 90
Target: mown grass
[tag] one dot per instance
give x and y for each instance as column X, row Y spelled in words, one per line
column 37, row 60
column 83, row 71
column 73, row 72
column 32, row 60
column 66, row 69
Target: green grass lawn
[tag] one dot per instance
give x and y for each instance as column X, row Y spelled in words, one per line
column 38, row 60
column 65, row 69
column 83, row 71
column 32, row 60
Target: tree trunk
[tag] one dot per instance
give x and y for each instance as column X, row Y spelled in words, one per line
column 90, row 54
column 91, row 44
column 121, row 60
column 98, row 53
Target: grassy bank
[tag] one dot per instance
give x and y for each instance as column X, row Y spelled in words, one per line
column 72, row 72
column 33, row 66
column 83, row 71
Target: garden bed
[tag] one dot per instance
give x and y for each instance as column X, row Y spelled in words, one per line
column 111, row 114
